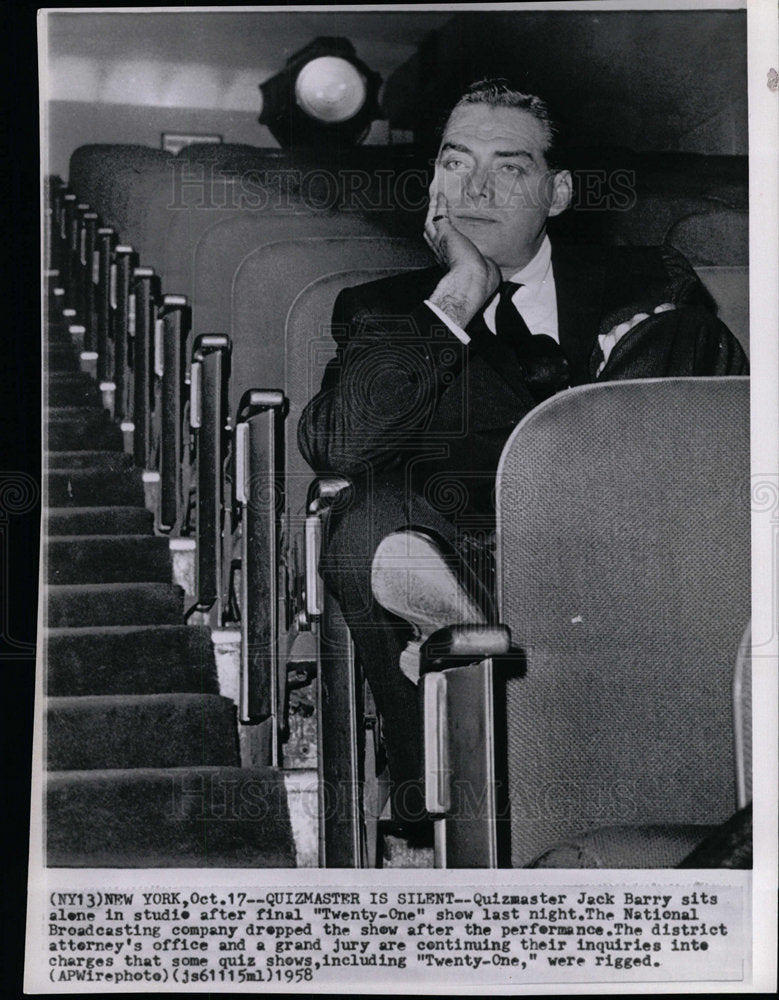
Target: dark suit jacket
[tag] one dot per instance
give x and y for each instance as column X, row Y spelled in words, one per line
column 404, row 393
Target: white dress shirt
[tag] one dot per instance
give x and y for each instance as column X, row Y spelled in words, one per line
column 535, row 301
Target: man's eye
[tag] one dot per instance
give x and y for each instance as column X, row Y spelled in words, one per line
column 511, row 168
column 455, row 165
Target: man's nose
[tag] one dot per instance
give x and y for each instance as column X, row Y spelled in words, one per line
column 479, row 184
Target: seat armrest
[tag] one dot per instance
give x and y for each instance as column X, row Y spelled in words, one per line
column 459, row 645
column 458, row 712
column 322, row 494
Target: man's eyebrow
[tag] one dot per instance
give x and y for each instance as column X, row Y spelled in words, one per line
column 513, row 153
column 456, row 147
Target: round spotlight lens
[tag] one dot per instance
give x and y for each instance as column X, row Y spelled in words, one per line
column 330, row 89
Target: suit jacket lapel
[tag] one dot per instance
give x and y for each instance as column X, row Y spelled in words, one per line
column 579, row 286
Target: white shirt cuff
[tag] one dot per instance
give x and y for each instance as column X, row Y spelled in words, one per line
column 456, row 330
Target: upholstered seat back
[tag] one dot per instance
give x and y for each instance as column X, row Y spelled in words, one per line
column 623, row 551
column 274, row 276
column 235, row 278
column 718, row 236
column 729, row 288
column 308, row 346
column 94, row 168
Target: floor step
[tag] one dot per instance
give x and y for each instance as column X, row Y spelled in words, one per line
column 61, row 344
column 95, row 487
column 72, row 391
column 94, row 604
column 59, row 330
column 90, row 429
column 124, row 731
column 130, row 659
column 69, row 378
column 99, row 520
column 62, row 359
column 142, row 750
column 108, row 559
column 169, row 818
column 75, row 413
column 111, row 461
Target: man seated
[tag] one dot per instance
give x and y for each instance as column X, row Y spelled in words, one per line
column 436, row 367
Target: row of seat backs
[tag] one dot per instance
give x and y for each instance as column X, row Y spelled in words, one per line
column 224, row 272
column 199, row 248
column 630, row 623
column 283, row 298
column 698, row 203
column 235, row 284
column 200, row 252
column 248, row 269
column 163, row 204
column 607, row 180
column 210, row 275
column 223, row 250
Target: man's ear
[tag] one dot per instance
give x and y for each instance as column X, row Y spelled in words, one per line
column 562, row 188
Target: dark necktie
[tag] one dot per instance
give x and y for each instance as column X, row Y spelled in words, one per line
column 545, row 366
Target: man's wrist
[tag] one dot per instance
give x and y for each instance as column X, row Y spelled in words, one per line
column 454, row 328
column 460, row 294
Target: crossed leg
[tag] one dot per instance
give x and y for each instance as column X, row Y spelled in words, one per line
column 353, row 534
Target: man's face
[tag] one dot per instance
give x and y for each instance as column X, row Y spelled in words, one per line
column 492, row 169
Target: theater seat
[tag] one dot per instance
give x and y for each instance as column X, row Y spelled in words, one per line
column 719, row 236
column 94, row 169
column 626, row 582
column 286, row 360
column 231, row 156
column 729, row 288
column 623, row 577
column 669, row 846
column 273, row 277
column 233, row 274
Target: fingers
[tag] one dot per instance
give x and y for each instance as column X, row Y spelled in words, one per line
column 622, row 328
column 494, row 277
column 431, row 204
column 437, row 211
column 436, row 223
column 638, row 318
column 608, row 341
column 441, row 207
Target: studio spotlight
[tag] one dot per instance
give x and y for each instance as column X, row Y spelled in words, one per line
column 324, row 96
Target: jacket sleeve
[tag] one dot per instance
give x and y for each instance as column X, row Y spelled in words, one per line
column 381, row 390
column 687, row 341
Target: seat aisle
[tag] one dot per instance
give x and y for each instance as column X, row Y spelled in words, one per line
column 143, row 766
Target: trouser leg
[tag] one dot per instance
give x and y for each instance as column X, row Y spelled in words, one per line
column 379, row 637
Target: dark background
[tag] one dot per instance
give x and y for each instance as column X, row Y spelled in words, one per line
column 19, row 452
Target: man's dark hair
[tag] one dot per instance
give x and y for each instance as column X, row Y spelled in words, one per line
column 498, row 92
